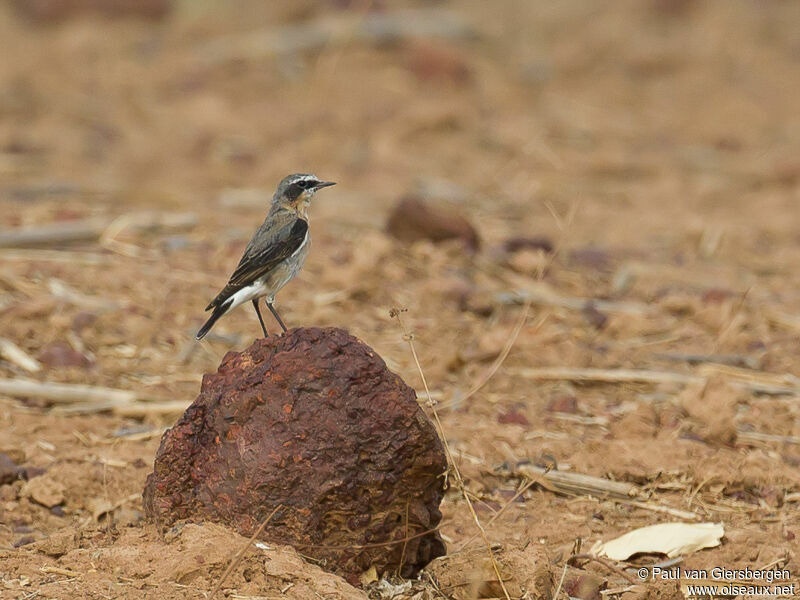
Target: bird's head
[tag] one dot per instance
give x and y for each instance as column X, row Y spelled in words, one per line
column 295, row 191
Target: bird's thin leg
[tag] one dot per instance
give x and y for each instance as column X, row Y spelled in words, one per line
column 277, row 316
column 260, row 320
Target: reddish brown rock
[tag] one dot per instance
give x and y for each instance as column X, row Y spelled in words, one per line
column 58, row 354
column 413, row 220
column 314, row 422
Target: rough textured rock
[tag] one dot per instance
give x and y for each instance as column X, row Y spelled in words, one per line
column 413, row 220
column 315, row 422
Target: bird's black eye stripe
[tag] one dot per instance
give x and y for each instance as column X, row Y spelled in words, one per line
column 304, row 185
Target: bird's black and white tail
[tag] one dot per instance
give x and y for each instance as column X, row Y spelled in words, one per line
column 218, row 312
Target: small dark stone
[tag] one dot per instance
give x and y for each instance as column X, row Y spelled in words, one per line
column 312, row 421
column 594, row 317
column 513, row 417
column 83, row 319
column 58, row 354
column 57, row 510
column 9, row 471
column 591, row 257
column 585, row 586
column 716, row 296
column 413, row 220
column 24, row 541
column 31, row 472
column 563, row 403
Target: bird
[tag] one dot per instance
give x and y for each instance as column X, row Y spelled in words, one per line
column 275, row 253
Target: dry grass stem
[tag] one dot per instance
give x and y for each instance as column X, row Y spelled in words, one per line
column 16, row 355
column 759, row 382
column 238, row 557
column 499, row 513
column 506, row 349
column 64, row 393
column 456, row 473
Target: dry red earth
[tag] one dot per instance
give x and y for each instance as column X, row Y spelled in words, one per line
column 652, row 145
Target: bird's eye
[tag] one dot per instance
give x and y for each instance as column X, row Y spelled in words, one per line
column 303, row 185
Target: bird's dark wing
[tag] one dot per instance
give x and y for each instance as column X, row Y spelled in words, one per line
column 275, row 241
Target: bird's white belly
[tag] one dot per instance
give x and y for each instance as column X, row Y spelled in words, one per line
column 272, row 282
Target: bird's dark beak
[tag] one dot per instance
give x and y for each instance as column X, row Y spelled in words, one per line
column 324, row 184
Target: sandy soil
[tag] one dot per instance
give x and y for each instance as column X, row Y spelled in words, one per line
column 654, row 144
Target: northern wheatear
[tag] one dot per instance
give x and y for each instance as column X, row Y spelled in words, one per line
column 275, row 254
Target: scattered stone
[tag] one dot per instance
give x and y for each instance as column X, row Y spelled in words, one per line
column 413, row 220
column 563, row 403
column 585, row 586
column 513, row 417
column 312, row 421
column 438, row 62
column 591, row 257
column 716, row 296
column 24, row 541
column 594, row 317
column 469, row 574
column 44, row 490
column 58, row 354
column 83, row 319
column 9, row 470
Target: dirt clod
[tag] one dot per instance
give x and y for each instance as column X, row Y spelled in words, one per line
column 45, row 491
column 469, row 574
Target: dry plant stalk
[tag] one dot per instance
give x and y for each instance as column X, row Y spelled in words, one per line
column 238, row 557
column 16, row 355
column 506, row 349
column 456, row 473
column 64, row 392
column 755, row 381
column 91, row 229
column 500, row 512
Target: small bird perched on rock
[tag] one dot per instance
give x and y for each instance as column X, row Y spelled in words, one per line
column 275, row 254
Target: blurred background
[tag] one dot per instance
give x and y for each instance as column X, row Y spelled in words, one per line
column 582, row 184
